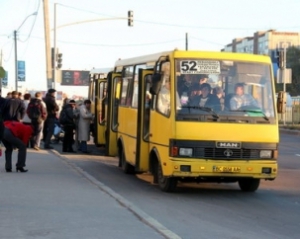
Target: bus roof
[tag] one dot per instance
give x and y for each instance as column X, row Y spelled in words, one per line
column 152, row 58
column 100, row 70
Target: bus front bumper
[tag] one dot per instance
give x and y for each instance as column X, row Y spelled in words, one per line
column 266, row 169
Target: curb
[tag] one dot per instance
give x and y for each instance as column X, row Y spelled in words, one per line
column 140, row 214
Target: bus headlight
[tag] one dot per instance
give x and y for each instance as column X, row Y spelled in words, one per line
column 265, row 154
column 186, row 152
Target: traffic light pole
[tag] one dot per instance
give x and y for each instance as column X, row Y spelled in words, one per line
column 130, row 23
column 54, row 46
column 282, row 70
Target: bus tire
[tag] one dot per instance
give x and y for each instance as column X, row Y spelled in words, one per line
column 126, row 167
column 249, row 184
column 166, row 184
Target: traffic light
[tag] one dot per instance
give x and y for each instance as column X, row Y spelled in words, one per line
column 280, row 59
column 59, row 60
column 130, row 18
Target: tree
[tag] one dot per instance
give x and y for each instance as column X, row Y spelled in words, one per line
column 293, row 62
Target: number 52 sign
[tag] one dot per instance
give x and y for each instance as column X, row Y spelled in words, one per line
column 200, row 67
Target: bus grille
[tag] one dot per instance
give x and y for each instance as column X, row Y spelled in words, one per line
column 218, row 153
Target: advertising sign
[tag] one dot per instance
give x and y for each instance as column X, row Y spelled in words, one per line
column 21, row 71
column 75, row 78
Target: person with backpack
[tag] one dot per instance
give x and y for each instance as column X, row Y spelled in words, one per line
column 67, row 120
column 37, row 113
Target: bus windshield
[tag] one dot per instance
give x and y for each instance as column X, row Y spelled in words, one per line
column 224, row 90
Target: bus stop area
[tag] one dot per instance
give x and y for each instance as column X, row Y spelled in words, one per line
column 55, row 199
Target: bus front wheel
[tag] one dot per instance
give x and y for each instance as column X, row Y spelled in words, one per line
column 166, row 184
column 249, row 184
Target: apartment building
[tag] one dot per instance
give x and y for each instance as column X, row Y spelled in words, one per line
column 265, row 43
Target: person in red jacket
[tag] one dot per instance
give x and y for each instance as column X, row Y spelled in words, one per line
column 16, row 135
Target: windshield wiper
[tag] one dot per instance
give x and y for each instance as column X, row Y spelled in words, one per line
column 206, row 109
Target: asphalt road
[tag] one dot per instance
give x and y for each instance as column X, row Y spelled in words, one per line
column 212, row 210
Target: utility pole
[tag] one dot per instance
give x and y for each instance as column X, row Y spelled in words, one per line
column 186, row 41
column 47, row 44
column 16, row 61
column 54, row 47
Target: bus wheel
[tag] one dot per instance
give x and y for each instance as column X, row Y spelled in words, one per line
column 126, row 167
column 249, row 184
column 166, row 184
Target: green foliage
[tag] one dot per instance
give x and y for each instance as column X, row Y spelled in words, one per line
column 293, row 62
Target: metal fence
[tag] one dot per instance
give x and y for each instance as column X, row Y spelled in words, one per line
column 292, row 112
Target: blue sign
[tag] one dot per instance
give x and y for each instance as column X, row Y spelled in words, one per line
column 4, row 80
column 21, row 71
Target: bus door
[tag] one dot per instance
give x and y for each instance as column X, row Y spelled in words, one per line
column 113, row 98
column 143, row 119
column 100, row 113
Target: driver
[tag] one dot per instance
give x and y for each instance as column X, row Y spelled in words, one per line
column 241, row 99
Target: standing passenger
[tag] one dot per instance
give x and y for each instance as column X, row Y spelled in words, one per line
column 26, row 119
column 52, row 109
column 14, row 108
column 67, row 119
column 37, row 112
column 16, row 135
column 85, row 117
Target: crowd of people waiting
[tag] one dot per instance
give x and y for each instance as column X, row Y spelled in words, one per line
column 27, row 120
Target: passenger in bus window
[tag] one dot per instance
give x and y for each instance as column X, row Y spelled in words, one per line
column 184, row 85
column 203, row 79
column 163, row 103
column 206, row 99
column 218, row 91
column 195, row 91
column 240, row 99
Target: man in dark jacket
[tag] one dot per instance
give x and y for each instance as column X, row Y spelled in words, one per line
column 2, row 100
column 14, row 108
column 206, row 99
column 38, row 121
column 52, row 109
column 67, row 120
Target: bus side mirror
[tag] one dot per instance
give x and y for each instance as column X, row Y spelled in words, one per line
column 155, row 83
column 281, row 102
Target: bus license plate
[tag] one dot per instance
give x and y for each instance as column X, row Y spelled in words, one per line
column 226, row 169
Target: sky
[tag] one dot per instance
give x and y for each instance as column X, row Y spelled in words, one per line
column 159, row 25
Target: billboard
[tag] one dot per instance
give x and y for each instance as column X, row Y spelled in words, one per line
column 75, row 78
column 21, row 71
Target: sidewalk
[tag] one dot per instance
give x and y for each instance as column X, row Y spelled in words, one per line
column 54, row 200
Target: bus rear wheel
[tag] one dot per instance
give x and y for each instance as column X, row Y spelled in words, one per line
column 126, row 167
column 249, row 184
column 166, row 184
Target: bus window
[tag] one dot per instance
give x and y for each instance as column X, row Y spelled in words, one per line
column 164, row 99
column 124, row 91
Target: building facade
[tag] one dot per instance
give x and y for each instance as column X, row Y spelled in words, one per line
column 265, row 43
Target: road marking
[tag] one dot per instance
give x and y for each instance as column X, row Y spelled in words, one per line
column 298, row 155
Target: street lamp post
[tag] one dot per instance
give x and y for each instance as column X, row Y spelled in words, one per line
column 16, row 54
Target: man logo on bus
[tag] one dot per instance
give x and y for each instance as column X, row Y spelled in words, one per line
column 231, row 145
